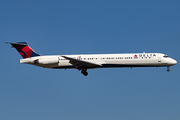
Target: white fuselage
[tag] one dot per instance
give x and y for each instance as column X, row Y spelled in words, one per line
column 103, row 60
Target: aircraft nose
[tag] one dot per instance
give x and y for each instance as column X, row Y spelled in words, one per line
column 173, row 62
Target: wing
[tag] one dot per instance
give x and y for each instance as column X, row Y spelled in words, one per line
column 80, row 63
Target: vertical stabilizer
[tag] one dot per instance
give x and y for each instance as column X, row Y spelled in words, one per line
column 24, row 50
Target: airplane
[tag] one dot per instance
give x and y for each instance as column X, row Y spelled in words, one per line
column 91, row 61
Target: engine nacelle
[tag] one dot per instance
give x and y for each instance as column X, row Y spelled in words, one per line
column 47, row 61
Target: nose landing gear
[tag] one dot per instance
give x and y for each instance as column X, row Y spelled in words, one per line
column 84, row 72
column 168, row 68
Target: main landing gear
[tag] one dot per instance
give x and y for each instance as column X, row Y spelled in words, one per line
column 84, row 72
column 168, row 68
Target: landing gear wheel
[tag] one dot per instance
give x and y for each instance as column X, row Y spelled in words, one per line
column 168, row 68
column 84, row 72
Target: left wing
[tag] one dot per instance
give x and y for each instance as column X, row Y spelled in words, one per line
column 80, row 63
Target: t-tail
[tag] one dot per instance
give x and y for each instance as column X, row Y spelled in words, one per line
column 24, row 50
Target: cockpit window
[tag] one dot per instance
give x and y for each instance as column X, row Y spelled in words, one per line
column 165, row 56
